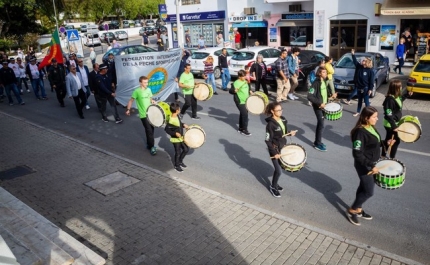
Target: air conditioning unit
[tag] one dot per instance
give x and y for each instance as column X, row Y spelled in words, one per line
column 295, row 8
column 249, row 10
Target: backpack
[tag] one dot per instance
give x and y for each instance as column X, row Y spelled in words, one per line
column 274, row 71
column 232, row 90
column 312, row 76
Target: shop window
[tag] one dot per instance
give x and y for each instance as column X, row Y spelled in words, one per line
column 190, row 2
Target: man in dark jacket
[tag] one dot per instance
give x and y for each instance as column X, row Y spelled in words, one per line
column 107, row 93
column 92, row 82
column 57, row 80
column 223, row 65
column 184, row 60
column 8, row 82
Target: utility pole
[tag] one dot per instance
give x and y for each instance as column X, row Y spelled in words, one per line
column 55, row 14
column 179, row 26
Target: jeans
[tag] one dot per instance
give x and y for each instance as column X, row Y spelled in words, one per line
column 362, row 95
column 394, row 147
column 190, row 100
column 243, row 116
column 87, row 94
column 60, row 90
column 320, row 126
column 353, row 93
column 21, row 81
column 364, row 191
column 225, row 77
column 38, row 84
column 401, row 63
column 276, row 173
column 149, row 132
column 211, row 81
column 15, row 91
column 80, row 101
column 261, row 82
column 179, row 156
column 111, row 100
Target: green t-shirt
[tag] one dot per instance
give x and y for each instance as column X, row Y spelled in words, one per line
column 175, row 121
column 243, row 92
column 282, row 126
column 188, row 80
column 372, row 130
column 143, row 100
column 399, row 102
column 324, row 91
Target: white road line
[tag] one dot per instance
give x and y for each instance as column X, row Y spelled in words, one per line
column 414, row 152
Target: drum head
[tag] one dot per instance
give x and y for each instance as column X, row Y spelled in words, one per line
column 194, row 137
column 201, row 91
column 412, row 132
column 333, row 107
column 155, row 115
column 390, row 167
column 293, row 155
column 255, row 104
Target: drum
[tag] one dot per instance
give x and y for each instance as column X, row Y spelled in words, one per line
column 409, row 129
column 333, row 111
column 293, row 157
column 203, row 91
column 257, row 102
column 391, row 174
column 158, row 114
column 194, row 136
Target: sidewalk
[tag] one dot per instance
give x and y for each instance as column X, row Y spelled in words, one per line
column 131, row 214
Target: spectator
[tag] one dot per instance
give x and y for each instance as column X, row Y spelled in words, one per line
column 145, row 39
column 237, row 38
column 8, row 82
column 187, row 38
column 36, row 78
column 93, row 56
column 201, row 43
column 220, row 40
column 209, row 73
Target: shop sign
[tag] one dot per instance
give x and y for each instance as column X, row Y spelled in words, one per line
column 213, row 15
column 417, row 11
column 375, row 29
column 294, row 16
column 273, row 34
column 246, row 18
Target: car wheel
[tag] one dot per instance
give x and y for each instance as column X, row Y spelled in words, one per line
column 387, row 77
column 217, row 73
column 374, row 89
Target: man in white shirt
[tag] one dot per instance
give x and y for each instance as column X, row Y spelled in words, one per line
column 15, row 67
column 85, row 73
column 76, row 90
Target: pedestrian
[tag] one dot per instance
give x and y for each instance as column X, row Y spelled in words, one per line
column 187, row 84
column 187, row 38
column 282, row 76
column 276, row 129
column 330, row 71
column 259, row 74
column 220, row 40
column 76, row 89
column 400, row 52
column 407, row 36
column 242, row 93
column 393, row 105
column 115, row 44
column 92, row 82
column 237, row 37
column 23, row 76
column 366, row 144
column 256, row 43
column 85, row 73
column 363, row 81
column 93, row 56
column 209, row 73
column 106, row 89
column 223, row 65
column 293, row 70
column 313, row 75
column 145, row 39
column 111, row 74
column 8, row 82
column 36, row 79
column 184, row 60
column 319, row 95
column 15, row 67
column 143, row 97
column 164, row 39
column 175, row 128
column 57, row 80
column 201, row 43
column 160, row 46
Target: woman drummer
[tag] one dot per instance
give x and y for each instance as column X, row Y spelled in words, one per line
column 242, row 93
column 393, row 104
column 366, row 144
column 276, row 129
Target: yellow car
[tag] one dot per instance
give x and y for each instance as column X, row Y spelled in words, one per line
column 419, row 79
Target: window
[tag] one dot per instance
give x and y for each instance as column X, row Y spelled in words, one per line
column 275, row 53
column 230, row 52
column 265, row 53
column 190, row 2
column 423, row 66
column 243, row 56
column 199, row 55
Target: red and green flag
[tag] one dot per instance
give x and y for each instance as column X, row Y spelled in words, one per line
column 54, row 51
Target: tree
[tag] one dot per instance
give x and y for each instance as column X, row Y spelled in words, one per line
column 17, row 17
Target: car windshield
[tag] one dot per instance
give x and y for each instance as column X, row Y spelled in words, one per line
column 199, row 55
column 115, row 51
column 121, row 32
column 301, row 39
column 423, row 66
column 243, row 56
column 346, row 61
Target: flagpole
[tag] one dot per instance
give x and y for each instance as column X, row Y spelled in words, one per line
column 55, row 14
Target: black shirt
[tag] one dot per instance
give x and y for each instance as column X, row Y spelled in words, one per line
column 7, row 76
column 222, row 61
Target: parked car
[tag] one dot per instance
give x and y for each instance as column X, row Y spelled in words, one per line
column 137, row 23
column 419, row 79
column 125, row 24
column 162, row 28
column 309, row 60
column 128, row 49
column 247, row 56
column 67, row 27
column 198, row 56
column 107, row 37
column 149, row 31
column 121, row 35
column 110, row 24
column 91, row 39
column 344, row 71
column 300, row 41
column 149, row 22
column 83, row 28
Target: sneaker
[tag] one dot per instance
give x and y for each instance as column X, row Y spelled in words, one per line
column 364, row 215
column 153, row 151
column 401, row 73
column 182, row 165
column 245, row 132
column 105, row 120
column 87, row 107
column 45, row 98
column 353, row 218
column 355, row 114
column 196, row 118
column 395, row 70
column 346, row 102
column 295, row 97
column 179, row 169
column 215, row 93
column 279, row 188
column 275, row 192
column 291, row 96
column 324, row 145
column 320, row 147
column 117, row 121
column 22, row 103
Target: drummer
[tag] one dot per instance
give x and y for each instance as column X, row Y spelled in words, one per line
column 366, row 144
column 143, row 97
column 174, row 128
column 319, row 95
column 186, row 83
column 276, row 129
column 393, row 104
column 242, row 93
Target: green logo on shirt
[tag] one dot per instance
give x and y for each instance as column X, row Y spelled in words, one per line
column 357, row 144
column 389, row 112
column 311, row 90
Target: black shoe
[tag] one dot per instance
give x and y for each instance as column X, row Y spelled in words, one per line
column 179, row 169
column 82, row 117
column 196, row 118
column 245, row 132
column 275, row 192
column 182, row 165
column 364, row 215
column 22, row 103
column 353, row 218
column 215, row 93
column 117, row 121
column 105, row 120
column 279, row 188
column 181, row 116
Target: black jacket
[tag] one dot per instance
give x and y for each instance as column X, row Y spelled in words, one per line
column 56, row 75
column 92, row 82
column 314, row 94
column 366, row 150
column 222, row 61
column 256, row 67
column 184, row 60
column 363, row 77
column 104, row 85
column 172, row 129
column 392, row 110
column 7, row 76
column 274, row 133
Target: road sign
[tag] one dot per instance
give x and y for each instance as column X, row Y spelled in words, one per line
column 72, row 35
column 62, row 29
column 106, row 26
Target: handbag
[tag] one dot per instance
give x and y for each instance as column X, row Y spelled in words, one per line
column 232, row 89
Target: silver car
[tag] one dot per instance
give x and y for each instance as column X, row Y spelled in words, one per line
column 91, row 39
column 121, row 35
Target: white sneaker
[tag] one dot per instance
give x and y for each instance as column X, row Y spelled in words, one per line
column 22, row 90
column 295, row 97
column 291, row 96
column 87, row 107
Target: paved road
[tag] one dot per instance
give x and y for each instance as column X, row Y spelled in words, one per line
column 239, row 166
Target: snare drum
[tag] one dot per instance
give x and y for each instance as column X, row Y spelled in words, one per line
column 391, row 174
column 333, row 111
column 194, row 136
column 293, row 157
column 257, row 102
column 203, row 91
column 158, row 114
column 411, row 128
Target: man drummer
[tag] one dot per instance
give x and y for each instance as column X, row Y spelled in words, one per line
column 143, row 97
column 186, row 83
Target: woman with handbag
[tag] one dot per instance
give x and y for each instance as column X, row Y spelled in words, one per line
column 259, row 72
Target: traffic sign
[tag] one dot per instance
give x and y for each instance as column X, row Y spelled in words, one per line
column 62, row 29
column 106, row 26
column 72, row 35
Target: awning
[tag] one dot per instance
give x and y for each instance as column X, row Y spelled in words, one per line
column 405, row 7
column 295, row 23
column 250, row 24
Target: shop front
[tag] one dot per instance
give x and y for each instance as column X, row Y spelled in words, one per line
column 252, row 28
column 296, row 29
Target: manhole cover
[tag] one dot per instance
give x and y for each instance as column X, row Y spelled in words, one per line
column 16, row 172
column 111, row 183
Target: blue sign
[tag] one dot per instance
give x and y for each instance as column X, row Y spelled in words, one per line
column 62, row 30
column 72, row 35
column 162, row 8
column 214, row 15
column 250, row 24
column 293, row 16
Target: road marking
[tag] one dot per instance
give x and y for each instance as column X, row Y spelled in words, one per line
column 414, row 152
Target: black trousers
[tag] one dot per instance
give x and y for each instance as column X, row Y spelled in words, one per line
column 103, row 102
column 243, row 116
column 261, row 82
column 276, row 173
column 364, row 192
column 60, row 90
column 190, row 100
column 320, row 126
column 149, row 132
column 98, row 101
column 80, row 101
column 181, row 150
column 394, row 147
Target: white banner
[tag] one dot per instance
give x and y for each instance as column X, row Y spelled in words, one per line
column 160, row 67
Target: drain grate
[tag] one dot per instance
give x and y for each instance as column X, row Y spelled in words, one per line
column 111, row 183
column 16, row 172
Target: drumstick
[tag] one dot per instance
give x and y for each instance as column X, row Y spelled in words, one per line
column 391, row 144
column 380, row 168
column 404, row 132
column 286, row 154
column 288, row 134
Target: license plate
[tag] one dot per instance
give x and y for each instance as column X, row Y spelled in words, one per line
column 426, row 78
column 195, row 71
column 343, row 87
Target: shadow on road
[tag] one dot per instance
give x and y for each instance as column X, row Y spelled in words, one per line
column 231, row 119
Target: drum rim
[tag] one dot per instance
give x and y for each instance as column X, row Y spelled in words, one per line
column 390, row 188
column 159, row 107
column 196, row 126
column 392, row 176
column 304, row 159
